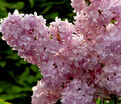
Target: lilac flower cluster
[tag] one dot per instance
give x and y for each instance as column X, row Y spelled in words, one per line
column 79, row 61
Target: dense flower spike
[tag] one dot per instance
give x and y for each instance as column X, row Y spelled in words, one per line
column 78, row 92
column 79, row 61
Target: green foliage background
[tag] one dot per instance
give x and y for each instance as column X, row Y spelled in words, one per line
column 17, row 77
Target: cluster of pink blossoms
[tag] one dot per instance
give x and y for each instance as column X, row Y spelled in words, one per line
column 79, row 61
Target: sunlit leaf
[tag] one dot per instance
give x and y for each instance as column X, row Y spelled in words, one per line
column 3, row 101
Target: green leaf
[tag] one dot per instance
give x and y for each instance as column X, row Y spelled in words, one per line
column 104, row 102
column 10, row 91
column 2, row 63
column 3, row 101
column 31, row 3
column 98, row 101
column 13, row 96
column 46, row 4
column 52, row 15
column 46, row 9
column 18, row 5
column 12, row 56
column 5, row 5
column 113, row 21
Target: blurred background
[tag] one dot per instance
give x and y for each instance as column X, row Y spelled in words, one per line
column 17, row 77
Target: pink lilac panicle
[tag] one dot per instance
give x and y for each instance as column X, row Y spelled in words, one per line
column 79, row 61
column 78, row 92
column 43, row 95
